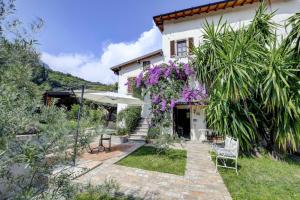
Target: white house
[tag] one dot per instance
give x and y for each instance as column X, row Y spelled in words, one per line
column 130, row 70
column 182, row 29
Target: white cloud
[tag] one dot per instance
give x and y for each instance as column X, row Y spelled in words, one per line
column 91, row 68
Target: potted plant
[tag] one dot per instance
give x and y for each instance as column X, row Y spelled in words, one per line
column 120, row 136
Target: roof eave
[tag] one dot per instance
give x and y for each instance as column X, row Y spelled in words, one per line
column 197, row 10
column 118, row 67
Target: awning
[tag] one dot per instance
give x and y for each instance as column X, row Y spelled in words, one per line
column 110, row 97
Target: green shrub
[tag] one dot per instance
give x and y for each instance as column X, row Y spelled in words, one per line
column 97, row 116
column 136, row 91
column 131, row 116
column 93, row 116
column 122, row 131
column 153, row 132
column 110, row 190
column 72, row 114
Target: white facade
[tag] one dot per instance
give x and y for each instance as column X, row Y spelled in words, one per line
column 133, row 70
column 184, row 28
column 192, row 27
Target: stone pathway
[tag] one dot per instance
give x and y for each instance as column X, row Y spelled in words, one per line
column 199, row 182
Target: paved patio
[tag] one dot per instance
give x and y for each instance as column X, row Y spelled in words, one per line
column 199, row 182
column 86, row 161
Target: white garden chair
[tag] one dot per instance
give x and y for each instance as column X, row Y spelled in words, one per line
column 229, row 151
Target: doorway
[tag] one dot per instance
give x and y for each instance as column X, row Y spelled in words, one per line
column 182, row 125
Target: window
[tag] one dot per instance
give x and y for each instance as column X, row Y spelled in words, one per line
column 146, row 64
column 181, row 48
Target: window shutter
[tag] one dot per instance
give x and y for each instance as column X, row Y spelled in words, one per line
column 172, row 48
column 191, row 44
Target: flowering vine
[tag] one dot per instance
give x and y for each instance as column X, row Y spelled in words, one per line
column 168, row 84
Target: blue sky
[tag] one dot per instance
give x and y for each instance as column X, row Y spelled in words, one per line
column 87, row 37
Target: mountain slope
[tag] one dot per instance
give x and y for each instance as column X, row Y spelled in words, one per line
column 49, row 79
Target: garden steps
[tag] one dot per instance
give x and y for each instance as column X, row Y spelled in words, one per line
column 140, row 133
column 141, row 130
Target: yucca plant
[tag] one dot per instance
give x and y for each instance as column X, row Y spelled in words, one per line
column 252, row 80
column 293, row 39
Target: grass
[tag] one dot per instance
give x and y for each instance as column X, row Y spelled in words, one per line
column 171, row 161
column 263, row 179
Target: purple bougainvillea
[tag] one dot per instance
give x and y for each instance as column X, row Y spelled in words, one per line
column 139, row 79
column 187, row 69
column 189, row 94
column 154, row 75
column 155, row 99
column 174, row 66
column 168, row 71
column 168, row 83
column 182, row 76
column 163, row 105
column 172, row 103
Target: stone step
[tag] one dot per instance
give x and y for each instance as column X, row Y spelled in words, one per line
column 137, row 141
column 143, row 121
column 137, row 138
column 143, row 125
column 141, row 130
column 139, row 134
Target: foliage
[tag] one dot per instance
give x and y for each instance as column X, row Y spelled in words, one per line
column 153, row 132
column 252, row 81
column 165, row 140
column 97, row 116
column 72, row 114
column 293, row 39
column 136, row 91
column 36, row 157
column 122, row 131
column 26, row 166
column 56, row 79
column 109, row 190
column 168, row 84
column 171, row 161
column 263, row 178
column 105, row 191
column 93, row 116
column 131, row 117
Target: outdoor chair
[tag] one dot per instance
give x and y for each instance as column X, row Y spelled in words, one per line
column 105, row 137
column 100, row 147
column 229, row 151
column 94, row 149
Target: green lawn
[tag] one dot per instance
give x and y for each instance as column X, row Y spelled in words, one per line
column 263, row 179
column 172, row 161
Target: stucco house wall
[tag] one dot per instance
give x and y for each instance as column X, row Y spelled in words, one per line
column 133, row 70
column 186, row 27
